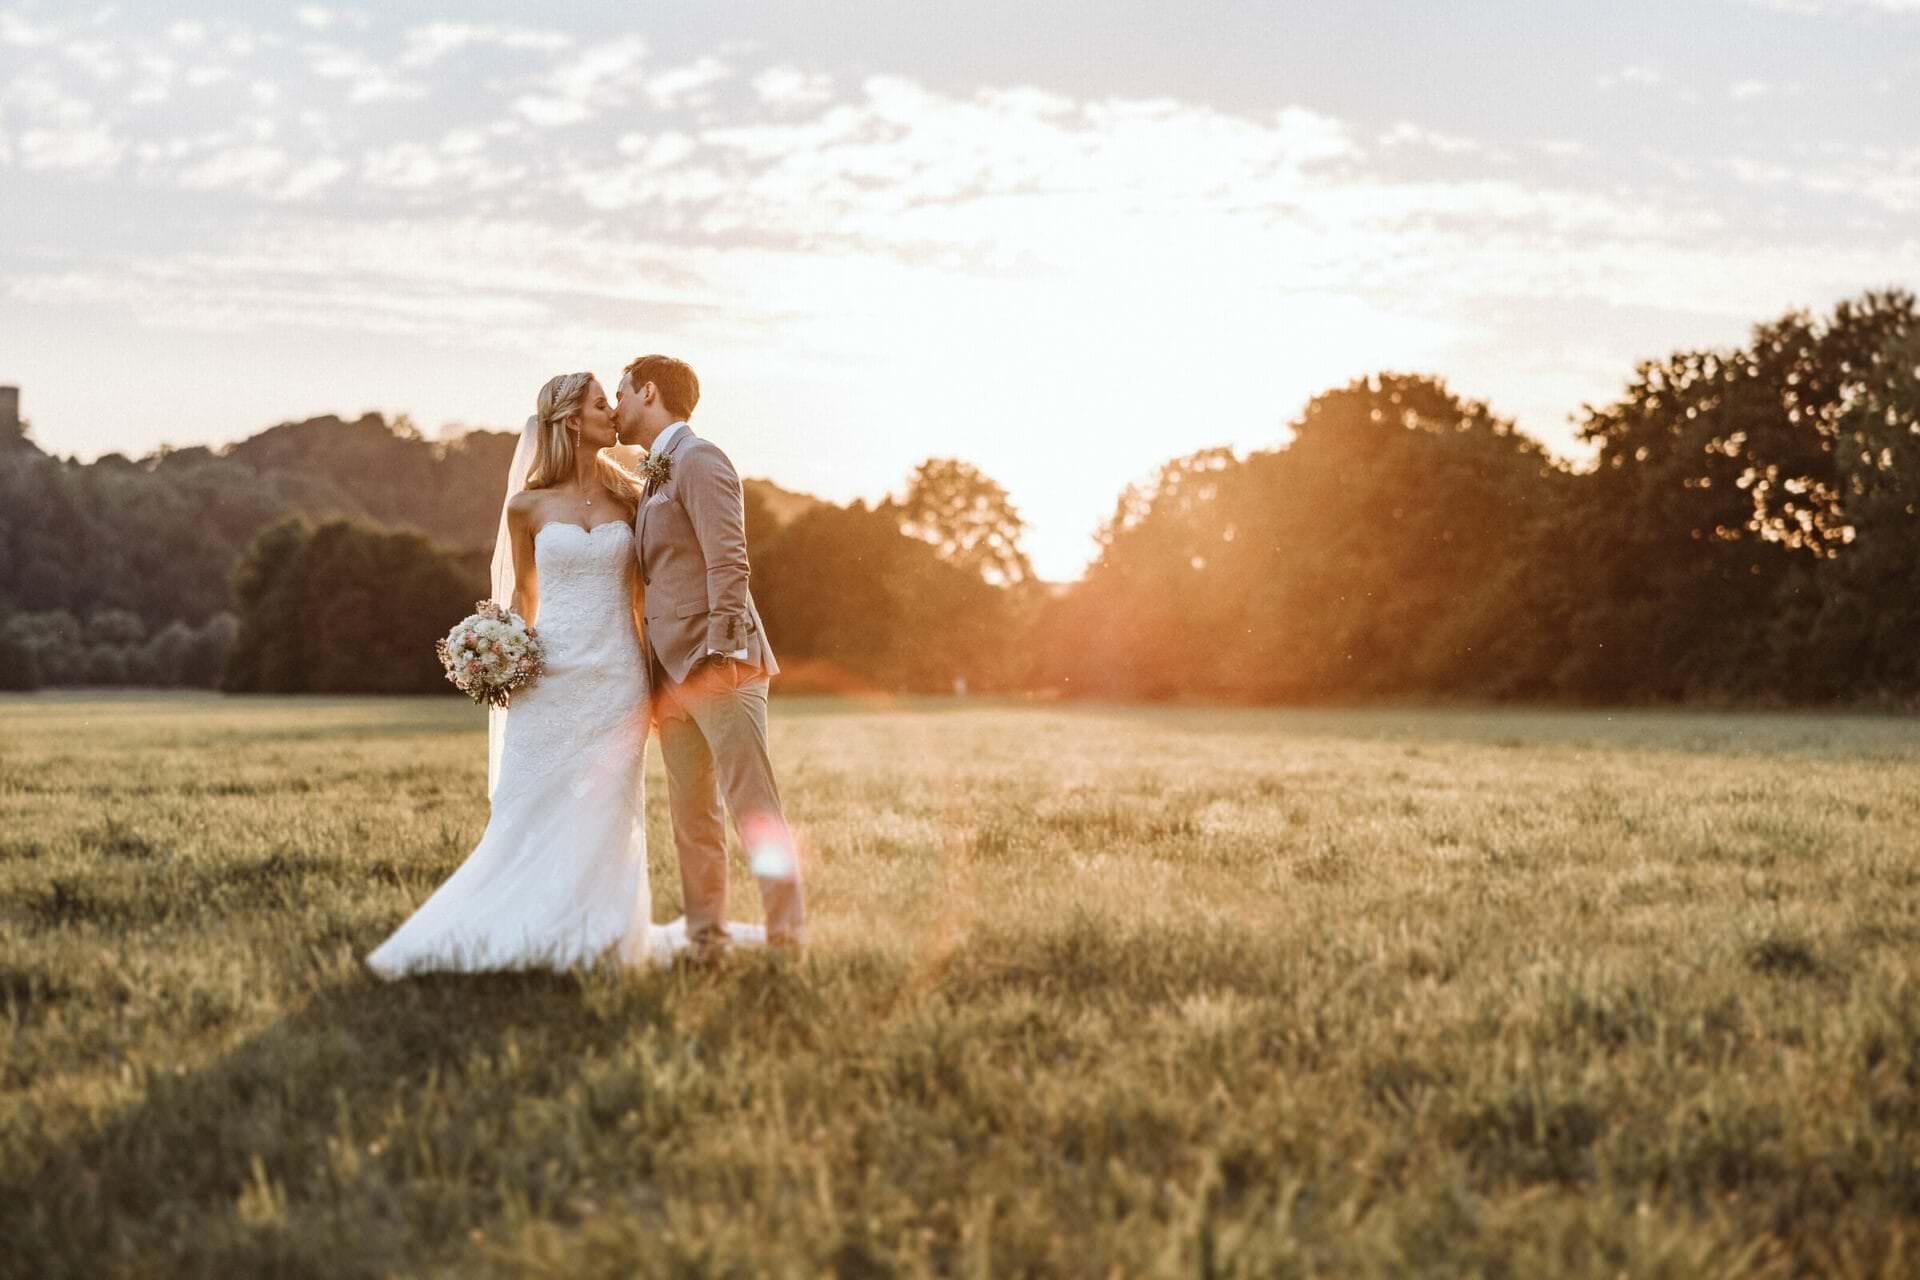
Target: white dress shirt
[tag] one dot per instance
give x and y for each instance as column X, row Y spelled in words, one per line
column 660, row 441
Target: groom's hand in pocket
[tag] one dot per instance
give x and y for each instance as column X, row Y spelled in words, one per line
column 716, row 671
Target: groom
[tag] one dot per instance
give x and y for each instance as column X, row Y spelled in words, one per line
column 708, row 659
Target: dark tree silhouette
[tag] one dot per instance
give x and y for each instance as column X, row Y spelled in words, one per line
column 1717, row 516
column 344, row 608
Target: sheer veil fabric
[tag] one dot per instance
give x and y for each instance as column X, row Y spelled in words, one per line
column 503, row 582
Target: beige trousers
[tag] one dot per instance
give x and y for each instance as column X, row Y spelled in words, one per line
column 713, row 734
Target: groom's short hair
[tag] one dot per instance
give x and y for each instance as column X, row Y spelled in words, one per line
column 674, row 379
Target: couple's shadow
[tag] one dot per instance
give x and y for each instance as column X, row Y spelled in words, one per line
column 368, row 1130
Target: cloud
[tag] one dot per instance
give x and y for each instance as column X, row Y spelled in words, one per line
column 685, row 86
column 44, row 100
column 251, row 167
column 1013, row 188
column 1406, row 133
column 229, row 294
column 428, row 44
column 63, row 133
column 459, row 161
column 98, row 58
column 91, row 149
column 581, row 86
column 790, row 87
column 405, row 165
column 154, row 84
column 657, row 151
column 551, row 111
column 21, row 34
column 462, row 142
column 369, row 82
column 311, row 178
column 1848, row 174
column 1742, row 90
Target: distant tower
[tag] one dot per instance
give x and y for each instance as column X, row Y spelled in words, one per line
column 9, row 412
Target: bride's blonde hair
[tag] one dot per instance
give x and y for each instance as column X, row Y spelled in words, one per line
column 557, row 405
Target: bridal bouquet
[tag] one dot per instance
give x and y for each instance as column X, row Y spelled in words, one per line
column 490, row 654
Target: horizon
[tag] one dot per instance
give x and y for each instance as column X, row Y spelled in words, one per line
column 887, row 236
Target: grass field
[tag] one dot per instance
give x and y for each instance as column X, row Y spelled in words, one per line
column 1093, row 992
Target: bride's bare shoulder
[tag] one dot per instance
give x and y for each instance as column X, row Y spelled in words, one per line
column 524, row 507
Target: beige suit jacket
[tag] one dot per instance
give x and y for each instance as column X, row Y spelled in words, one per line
column 690, row 535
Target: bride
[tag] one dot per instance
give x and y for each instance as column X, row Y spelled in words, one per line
column 559, row 877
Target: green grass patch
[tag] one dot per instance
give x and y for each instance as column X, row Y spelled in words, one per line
column 1094, row 991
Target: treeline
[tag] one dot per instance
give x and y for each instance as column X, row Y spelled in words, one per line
column 158, row 537
column 929, row 592
column 1749, row 530
column 854, row 600
column 1746, row 529
column 118, row 572
column 112, row 647
column 344, row 608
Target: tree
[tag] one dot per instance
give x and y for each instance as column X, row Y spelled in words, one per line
column 1150, row 610
column 967, row 518
column 205, row 658
column 1358, row 559
column 851, row 602
column 1855, row 622
column 19, row 664
column 344, row 608
column 271, row 647
column 114, row 626
column 162, row 659
column 55, row 643
column 1717, row 505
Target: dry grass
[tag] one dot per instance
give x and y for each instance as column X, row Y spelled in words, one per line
column 1093, row 992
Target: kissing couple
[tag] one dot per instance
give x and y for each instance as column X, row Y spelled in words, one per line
column 638, row 586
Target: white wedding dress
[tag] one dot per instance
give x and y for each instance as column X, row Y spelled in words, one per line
column 559, row 877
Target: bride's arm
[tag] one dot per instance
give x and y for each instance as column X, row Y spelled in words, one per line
column 526, row 578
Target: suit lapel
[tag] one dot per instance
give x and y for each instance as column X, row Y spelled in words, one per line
column 680, row 437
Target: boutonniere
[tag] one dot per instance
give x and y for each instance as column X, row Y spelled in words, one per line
column 657, row 469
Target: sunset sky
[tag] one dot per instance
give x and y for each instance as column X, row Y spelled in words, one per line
column 1063, row 241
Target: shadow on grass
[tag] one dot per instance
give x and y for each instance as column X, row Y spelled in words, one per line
column 345, row 1139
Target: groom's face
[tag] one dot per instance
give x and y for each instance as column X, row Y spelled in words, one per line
column 626, row 411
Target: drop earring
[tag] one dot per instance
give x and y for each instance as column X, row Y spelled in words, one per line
column 576, row 445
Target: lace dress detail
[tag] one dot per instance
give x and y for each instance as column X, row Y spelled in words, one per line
column 588, row 710
column 559, row 877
